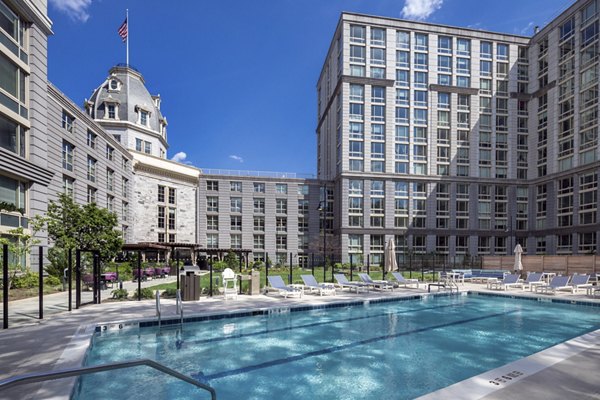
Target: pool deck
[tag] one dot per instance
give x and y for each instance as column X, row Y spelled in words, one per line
column 60, row 341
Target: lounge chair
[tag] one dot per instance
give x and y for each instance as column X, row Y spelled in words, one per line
column 533, row 279
column 509, row 280
column 344, row 283
column 580, row 282
column 557, row 283
column 310, row 284
column 378, row 284
column 405, row 281
column 277, row 283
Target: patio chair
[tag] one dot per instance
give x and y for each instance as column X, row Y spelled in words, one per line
column 580, row 282
column 88, row 281
column 277, row 283
column 311, row 284
column 509, row 280
column 533, row 279
column 344, row 283
column 557, row 283
column 379, row 284
column 230, row 289
column 404, row 281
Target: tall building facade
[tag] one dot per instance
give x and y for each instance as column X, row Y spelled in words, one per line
column 24, row 170
column 430, row 135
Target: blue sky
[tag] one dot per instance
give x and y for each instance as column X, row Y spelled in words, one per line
column 238, row 78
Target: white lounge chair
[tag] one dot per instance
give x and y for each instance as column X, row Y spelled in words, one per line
column 533, row 279
column 310, row 284
column 230, row 289
column 344, row 283
column 557, row 283
column 580, row 282
column 509, row 280
column 405, row 281
column 277, row 283
column 378, row 284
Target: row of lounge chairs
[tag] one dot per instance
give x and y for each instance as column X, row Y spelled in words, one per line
column 535, row 283
column 366, row 283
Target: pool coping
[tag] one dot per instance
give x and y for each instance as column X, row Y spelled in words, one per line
column 76, row 351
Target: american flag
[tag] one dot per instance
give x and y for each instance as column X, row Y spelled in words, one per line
column 123, row 30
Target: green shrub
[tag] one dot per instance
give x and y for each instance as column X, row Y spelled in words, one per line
column 170, row 292
column 119, row 294
column 52, row 281
column 146, row 293
column 26, row 281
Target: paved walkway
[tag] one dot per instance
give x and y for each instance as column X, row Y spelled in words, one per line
column 53, row 344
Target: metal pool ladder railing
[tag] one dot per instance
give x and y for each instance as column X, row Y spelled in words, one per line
column 71, row 372
column 158, row 307
column 179, row 306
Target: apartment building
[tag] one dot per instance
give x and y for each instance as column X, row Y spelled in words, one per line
column 430, row 132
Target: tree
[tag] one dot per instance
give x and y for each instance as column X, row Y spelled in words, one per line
column 87, row 227
column 231, row 260
column 19, row 247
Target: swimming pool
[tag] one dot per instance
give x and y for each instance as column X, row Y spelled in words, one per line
column 388, row 350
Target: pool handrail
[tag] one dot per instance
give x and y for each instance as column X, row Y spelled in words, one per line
column 71, row 372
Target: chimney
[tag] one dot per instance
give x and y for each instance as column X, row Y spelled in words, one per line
column 536, row 30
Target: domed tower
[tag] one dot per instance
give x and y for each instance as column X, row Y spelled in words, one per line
column 124, row 108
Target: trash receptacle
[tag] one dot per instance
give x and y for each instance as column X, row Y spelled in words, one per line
column 254, row 287
column 190, row 287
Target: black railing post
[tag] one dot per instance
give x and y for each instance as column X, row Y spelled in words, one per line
column 70, row 278
column 312, row 264
column 210, row 279
column 5, row 285
column 267, row 265
column 368, row 264
column 351, row 267
column 291, row 272
column 177, row 268
column 77, row 279
column 139, row 269
column 98, row 274
column 41, row 284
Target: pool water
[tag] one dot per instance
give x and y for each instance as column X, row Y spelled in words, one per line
column 391, row 350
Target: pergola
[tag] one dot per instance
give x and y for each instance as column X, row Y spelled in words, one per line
column 220, row 252
column 141, row 249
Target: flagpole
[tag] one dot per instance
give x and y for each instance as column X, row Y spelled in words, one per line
column 127, row 19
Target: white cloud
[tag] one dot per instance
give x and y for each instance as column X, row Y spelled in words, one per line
column 77, row 10
column 420, row 9
column 179, row 157
column 236, row 158
column 528, row 29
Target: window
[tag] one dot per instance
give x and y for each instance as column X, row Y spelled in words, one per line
column 91, row 139
column 281, row 206
column 444, row 64
column 378, row 36
column 402, row 39
column 378, row 113
column 236, row 241
column 161, row 194
column 420, row 80
column 212, row 240
column 357, row 34
column 378, row 94
column 139, row 143
column 259, row 224
column 402, row 59
column 212, row 185
column 236, row 223
column 110, row 203
column 124, row 187
column 212, row 222
column 236, row 186
column 463, row 81
column 143, row 117
column 111, row 111
column 68, row 121
column 91, row 169
column 68, row 155
column 502, row 52
column 463, row 47
column 259, row 206
column 109, row 152
column 110, row 179
column 147, row 147
column 421, row 41
column 463, row 65
column 68, row 185
column 444, row 44
column 444, row 80
column 124, row 210
column 420, row 61
column 172, row 213
column 377, row 56
column 212, row 204
column 236, row 204
column 91, row 194
column 259, row 242
column 357, row 54
column 171, row 195
column 281, row 224
column 485, row 50
column 281, row 244
column 357, row 92
column 259, row 187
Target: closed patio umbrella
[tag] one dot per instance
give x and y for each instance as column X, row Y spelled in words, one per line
column 518, row 253
column 390, row 256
